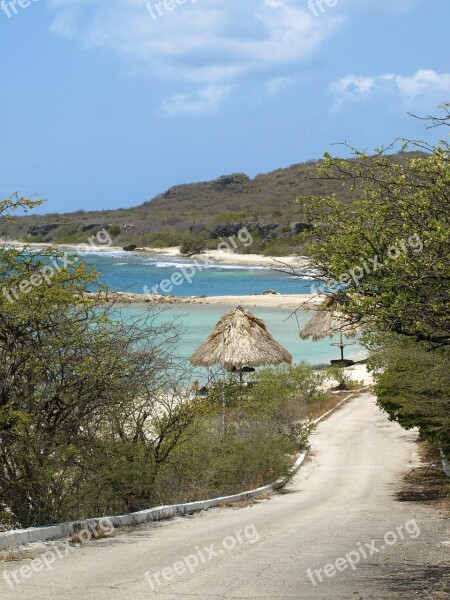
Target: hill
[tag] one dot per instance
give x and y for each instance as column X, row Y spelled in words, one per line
column 206, row 211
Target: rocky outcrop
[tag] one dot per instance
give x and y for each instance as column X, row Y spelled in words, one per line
column 94, row 227
column 234, row 179
column 42, row 230
column 267, row 231
column 130, row 248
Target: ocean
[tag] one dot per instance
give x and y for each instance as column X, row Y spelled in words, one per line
column 128, row 272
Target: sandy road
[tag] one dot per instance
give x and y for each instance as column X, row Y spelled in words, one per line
column 341, row 503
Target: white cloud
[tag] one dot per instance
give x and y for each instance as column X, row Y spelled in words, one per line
column 203, row 40
column 424, row 84
column 211, row 43
column 206, row 101
column 275, row 85
column 353, row 87
column 207, row 42
column 65, row 24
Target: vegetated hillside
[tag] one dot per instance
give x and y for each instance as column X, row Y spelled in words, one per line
column 207, row 211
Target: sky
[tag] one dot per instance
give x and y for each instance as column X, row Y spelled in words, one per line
column 106, row 103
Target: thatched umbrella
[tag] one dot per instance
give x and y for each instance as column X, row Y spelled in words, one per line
column 240, row 340
column 327, row 322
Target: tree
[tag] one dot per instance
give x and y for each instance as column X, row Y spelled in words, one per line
column 85, row 420
column 385, row 259
column 413, row 386
column 384, row 255
column 193, row 246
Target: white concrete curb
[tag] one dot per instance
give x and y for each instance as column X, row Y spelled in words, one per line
column 19, row 537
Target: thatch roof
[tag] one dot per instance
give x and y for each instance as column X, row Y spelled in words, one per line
column 240, row 339
column 327, row 323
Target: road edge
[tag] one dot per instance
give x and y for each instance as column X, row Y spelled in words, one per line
column 19, row 537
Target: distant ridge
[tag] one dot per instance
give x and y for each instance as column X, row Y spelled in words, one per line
column 205, row 210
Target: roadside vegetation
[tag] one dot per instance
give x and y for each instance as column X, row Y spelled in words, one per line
column 384, row 257
column 251, row 436
column 95, row 418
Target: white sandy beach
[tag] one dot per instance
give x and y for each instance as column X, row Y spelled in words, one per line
column 231, row 258
column 215, row 256
column 288, row 301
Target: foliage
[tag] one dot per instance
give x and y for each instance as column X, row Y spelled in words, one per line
column 211, row 464
column 385, row 258
column 115, row 230
column 265, row 425
column 89, row 404
column 16, row 203
column 165, row 239
column 338, row 374
column 413, row 386
column 193, row 246
column 386, row 252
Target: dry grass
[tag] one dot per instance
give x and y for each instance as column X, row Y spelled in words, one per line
column 427, row 484
column 15, row 555
column 328, row 402
column 96, row 534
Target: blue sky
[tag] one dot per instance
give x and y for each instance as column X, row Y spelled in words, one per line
column 106, row 103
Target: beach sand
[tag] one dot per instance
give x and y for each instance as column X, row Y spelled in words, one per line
column 231, row 258
column 287, row 301
column 215, row 256
column 359, row 372
column 292, row 301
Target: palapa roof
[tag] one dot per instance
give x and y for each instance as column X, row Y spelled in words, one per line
column 327, row 323
column 240, row 339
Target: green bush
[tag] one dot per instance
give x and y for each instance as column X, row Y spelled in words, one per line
column 265, row 425
column 192, row 246
column 342, row 378
column 413, row 387
column 115, row 230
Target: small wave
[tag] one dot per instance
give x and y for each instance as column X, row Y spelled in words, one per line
column 238, row 267
column 202, row 266
column 164, row 265
column 105, row 253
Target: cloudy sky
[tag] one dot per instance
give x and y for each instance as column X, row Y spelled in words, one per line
column 106, row 103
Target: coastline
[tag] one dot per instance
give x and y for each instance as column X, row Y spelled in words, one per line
column 288, row 301
column 231, row 258
column 214, row 256
column 264, row 300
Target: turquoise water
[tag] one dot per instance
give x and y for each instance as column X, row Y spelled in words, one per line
column 129, row 272
column 123, row 271
column 198, row 321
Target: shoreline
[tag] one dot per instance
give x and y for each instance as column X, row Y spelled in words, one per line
column 263, row 300
column 214, row 256
column 231, row 258
column 288, row 301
